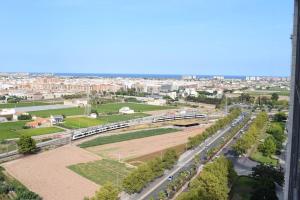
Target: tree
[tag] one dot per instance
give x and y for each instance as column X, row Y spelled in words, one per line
column 24, row 117
column 275, row 97
column 266, row 177
column 107, row 192
column 262, row 172
column 26, row 145
column 280, row 117
column 268, row 147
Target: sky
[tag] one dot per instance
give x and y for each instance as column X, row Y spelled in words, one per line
column 204, row 37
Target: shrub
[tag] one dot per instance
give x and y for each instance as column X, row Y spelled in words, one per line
column 26, row 145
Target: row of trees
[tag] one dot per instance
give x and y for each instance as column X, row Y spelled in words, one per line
column 273, row 144
column 210, row 153
column 213, row 183
column 221, row 123
column 204, row 99
column 145, row 173
column 131, row 92
column 250, row 137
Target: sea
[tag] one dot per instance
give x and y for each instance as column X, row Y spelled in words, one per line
column 145, row 76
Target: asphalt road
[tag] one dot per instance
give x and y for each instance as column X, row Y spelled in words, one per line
column 184, row 162
column 45, row 107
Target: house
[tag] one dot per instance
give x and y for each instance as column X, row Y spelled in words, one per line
column 76, row 102
column 56, row 119
column 3, row 119
column 126, row 110
column 93, row 115
column 38, row 122
column 33, row 124
column 157, row 102
column 8, row 113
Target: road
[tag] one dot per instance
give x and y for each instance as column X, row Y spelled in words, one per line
column 185, row 161
column 45, row 107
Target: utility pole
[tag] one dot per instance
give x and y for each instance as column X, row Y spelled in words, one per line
column 226, row 108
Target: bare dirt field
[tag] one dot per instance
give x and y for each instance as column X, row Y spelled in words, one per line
column 139, row 147
column 47, row 173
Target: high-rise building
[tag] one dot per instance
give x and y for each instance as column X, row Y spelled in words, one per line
column 292, row 176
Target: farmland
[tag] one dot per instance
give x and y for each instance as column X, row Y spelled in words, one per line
column 10, row 130
column 83, row 122
column 126, row 136
column 108, row 108
column 114, row 107
column 102, row 171
column 64, row 111
column 135, row 148
column 47, row 174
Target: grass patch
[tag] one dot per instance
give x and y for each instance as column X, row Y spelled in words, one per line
column 137, row 107
column 259, row 157
column 242, row 188
column 126, row 136
column 83, row 122
column 103, row 108
column 10, row 130
column 180, row 149
column 102, row 171
column 63, row 111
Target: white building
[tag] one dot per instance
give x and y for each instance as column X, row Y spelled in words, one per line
column 126, row 110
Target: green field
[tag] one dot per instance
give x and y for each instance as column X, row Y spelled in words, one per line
column 126, row 136
column 83, row 122
column 103, row 108
column 102, row 171
column 64, row 111
column 24, row 104
column 242, row 188
column 137, row 107
column 259, row 157
column 10, row 130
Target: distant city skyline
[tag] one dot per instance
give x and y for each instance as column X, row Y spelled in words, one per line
column 197, row 37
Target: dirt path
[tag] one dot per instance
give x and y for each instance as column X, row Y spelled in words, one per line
column 47, row 173
column 139, row 147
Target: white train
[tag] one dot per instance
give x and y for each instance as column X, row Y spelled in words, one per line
column 178, row 117
column 97, row 130
column 102, row 129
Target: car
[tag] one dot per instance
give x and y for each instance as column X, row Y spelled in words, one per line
column 170, row 178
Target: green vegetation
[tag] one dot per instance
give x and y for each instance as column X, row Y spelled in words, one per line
column 26, row 145
column 252, row 134
column 109, row 108
column 145, row 173
column 280, row 117
column 83, row 122
column 259, row 157
column 24, row 117
column 177, row 182
column 10, row 130
column 213, row 183
column 242, row 188
column 266, row 177
column 102, row 171
column 10, row 188
column 63, row 111
column 221, row 123
column 24, row 104
column 268, row 147
column 107, row 192
column 126, row 136
column 137, row 107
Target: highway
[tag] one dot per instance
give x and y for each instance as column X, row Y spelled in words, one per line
column 185, row 161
